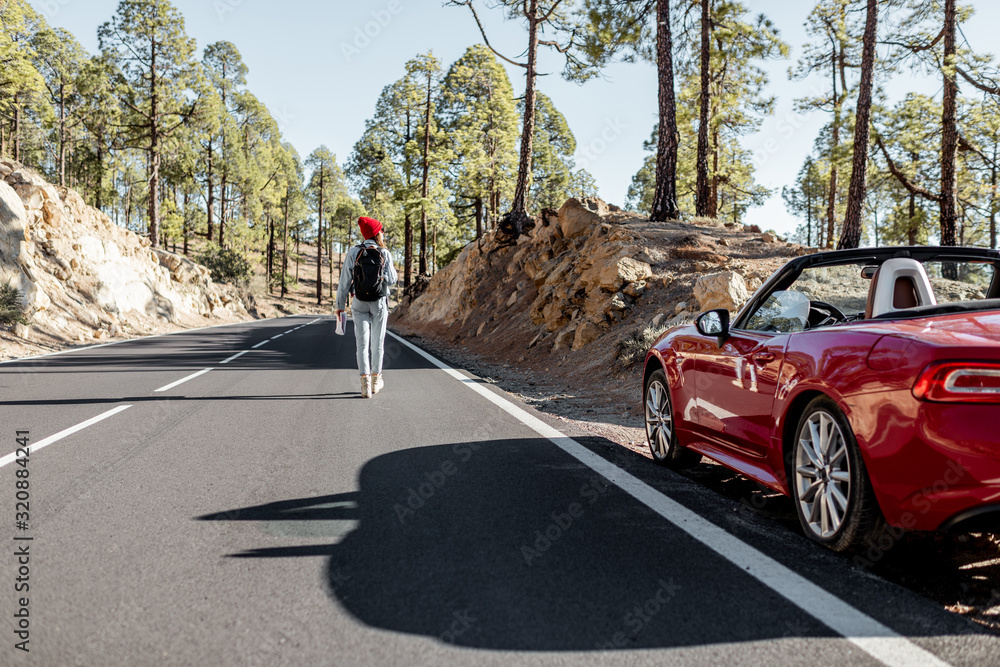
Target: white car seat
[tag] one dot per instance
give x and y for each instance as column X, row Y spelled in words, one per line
column 898, row 284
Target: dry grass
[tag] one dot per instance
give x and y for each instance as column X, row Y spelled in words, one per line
column 631, row 350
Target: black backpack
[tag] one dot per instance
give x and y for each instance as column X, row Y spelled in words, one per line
column 368, row 281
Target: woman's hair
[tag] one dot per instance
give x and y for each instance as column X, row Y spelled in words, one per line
column 380, row 239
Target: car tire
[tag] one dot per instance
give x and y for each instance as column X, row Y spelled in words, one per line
column 660, row 432
column 829, row 483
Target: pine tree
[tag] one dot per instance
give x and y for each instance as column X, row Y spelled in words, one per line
column 539, row 15
column 145, row 41
column 805, row 199
column 479, row 123
column 642, row 30
column 850, row 237
column 61, row 59
column 553, row 147
column 837, row 33
column 326, row 187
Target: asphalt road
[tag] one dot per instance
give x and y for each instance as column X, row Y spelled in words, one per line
column 263, row 513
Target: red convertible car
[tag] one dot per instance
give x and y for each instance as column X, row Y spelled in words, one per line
column 864, row 384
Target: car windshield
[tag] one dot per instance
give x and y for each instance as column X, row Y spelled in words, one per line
column 826, row 295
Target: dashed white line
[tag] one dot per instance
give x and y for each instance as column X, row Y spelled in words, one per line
column 277, row 337
column 238, row 354
column 32, row 448
column 872, row 637
column 263, row 342
column 185, row 379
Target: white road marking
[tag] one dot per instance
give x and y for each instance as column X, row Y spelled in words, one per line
column 277, row 337
column 872, row 637
column 263, row 342
column 183, row 380
column 34, row 447
column 238, row 354
column 132, row 340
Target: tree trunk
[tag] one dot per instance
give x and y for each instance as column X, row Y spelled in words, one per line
column 713, row 192
column 319, row 243
column 407, row 251
column 270, row 252
column 211, row 192
column 154, row 155
column 284, row 250
column 665, row 191
column 702, row 187
column 187, row 232
column 98, row 198
column 993, row 200
column 850, row 236
column 949, row 130
column 62, row 134
column 809, row 216
column 911, row 233
column 425, row 182
column 479, row 217
column 831, row 204
column 519, row 208
column 17, row 130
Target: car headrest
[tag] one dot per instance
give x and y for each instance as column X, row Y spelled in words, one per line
column 899, row 283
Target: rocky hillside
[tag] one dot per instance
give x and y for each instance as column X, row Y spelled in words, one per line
column 82, row 278
column 555, row 308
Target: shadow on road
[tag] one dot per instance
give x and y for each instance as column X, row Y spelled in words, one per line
column 509, row 544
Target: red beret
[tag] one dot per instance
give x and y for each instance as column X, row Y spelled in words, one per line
column 370, row 227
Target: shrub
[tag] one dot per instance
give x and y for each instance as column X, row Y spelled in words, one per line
column 631, row 349
column 10, row 306
column 226, row 264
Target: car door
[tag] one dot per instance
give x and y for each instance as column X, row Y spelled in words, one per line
column 735, row 388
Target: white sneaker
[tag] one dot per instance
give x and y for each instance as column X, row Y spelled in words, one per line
column 366, row 387
column 377, row 383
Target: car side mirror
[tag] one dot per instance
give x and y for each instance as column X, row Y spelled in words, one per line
column 714, row 323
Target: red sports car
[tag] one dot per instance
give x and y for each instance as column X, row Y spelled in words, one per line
column 864, row 384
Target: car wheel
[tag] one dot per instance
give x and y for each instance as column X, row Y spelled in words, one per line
column 830, row 486
column 660, row 433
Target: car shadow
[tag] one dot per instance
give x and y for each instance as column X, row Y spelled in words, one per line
column 511, row 545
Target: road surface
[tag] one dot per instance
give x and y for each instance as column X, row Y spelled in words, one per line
column 225, row 497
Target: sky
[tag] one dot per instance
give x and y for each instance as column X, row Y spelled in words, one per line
column 319, row 66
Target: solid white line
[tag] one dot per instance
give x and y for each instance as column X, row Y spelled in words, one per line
column 238, row 354
column 263, row 342
column 132, row 340
column 34, row 447
column 866, row 633
column 183, row 380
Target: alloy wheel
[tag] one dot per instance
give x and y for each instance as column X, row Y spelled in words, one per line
column 822, row 474
column 659, row 420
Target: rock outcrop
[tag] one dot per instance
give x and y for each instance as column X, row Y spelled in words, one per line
column 82, row 277
column 584, row 277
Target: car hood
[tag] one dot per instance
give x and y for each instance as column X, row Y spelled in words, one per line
column 975, row 328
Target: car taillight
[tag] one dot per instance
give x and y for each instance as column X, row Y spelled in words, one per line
column 959, row 382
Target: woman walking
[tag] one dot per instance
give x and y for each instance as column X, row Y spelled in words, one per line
column 367, row 274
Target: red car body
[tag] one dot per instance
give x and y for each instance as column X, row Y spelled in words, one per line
column 931, row 463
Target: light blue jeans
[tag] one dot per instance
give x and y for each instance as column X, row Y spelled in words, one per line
column 369, row 330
